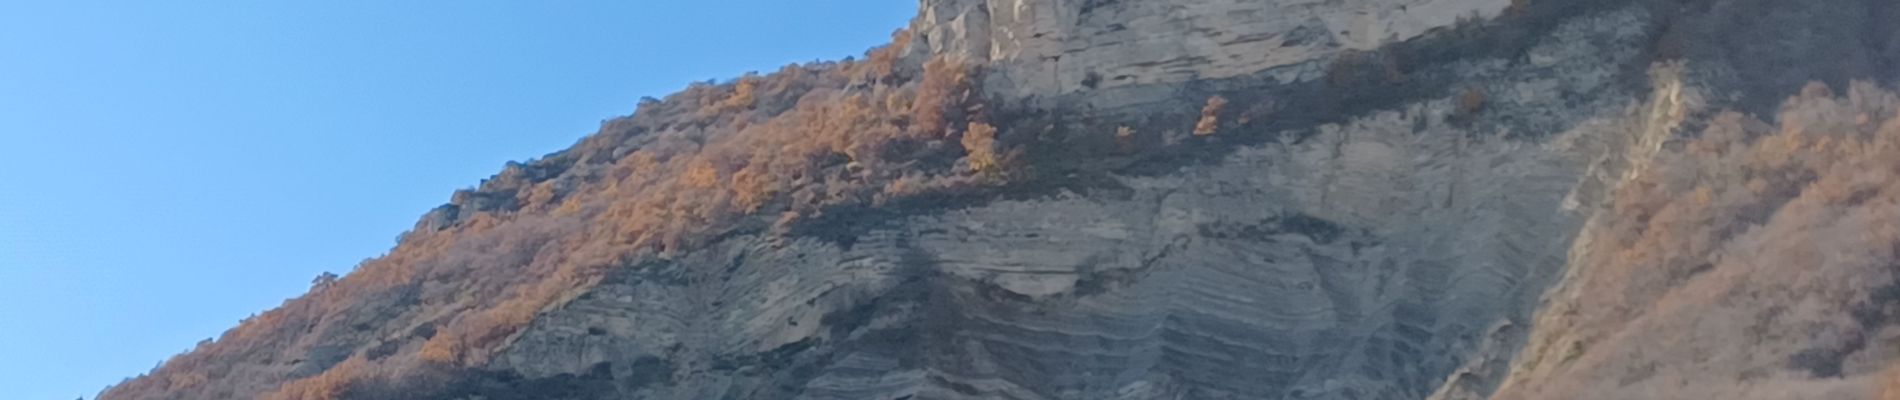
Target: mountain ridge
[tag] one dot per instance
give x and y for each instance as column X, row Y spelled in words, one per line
column 934, row 221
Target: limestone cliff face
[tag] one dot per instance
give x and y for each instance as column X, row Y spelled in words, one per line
column 1364, row 260
column 1057, row 47
column 1385, row 198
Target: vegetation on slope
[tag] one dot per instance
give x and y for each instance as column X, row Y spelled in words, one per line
column 758, row 153
column 1739, row 261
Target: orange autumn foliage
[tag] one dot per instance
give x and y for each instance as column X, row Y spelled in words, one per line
column 714, row 158
column 1210, row 116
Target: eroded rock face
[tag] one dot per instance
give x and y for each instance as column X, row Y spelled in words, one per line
column 1366, row 260
column 1381, row 238
column 1057, row 47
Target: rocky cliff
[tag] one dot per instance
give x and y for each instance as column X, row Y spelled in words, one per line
column 1057, row 47
column 1220, row 199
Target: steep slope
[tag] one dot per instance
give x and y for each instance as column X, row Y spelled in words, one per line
column 1163, row 199
column 1750, row 262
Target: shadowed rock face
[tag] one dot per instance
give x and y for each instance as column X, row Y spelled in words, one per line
column 1389, row 194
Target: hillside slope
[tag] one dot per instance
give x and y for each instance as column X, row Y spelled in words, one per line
column 1029, row 199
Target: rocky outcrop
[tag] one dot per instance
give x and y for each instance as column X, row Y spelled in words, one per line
column 1363, row 261
column 1058, row 47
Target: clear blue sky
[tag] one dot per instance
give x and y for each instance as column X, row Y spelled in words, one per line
column 168, row 168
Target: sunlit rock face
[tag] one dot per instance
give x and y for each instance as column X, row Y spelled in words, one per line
column 1055, row 47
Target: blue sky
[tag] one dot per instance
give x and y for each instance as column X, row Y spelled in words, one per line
column 168, row 168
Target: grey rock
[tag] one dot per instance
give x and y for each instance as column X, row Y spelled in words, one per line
column 1369, row 260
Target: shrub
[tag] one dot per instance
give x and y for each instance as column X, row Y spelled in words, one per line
column 1210, row 116
column 979, row 143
